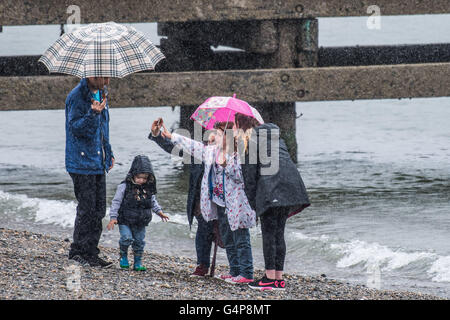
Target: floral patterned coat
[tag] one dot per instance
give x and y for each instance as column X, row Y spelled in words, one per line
column 237, row 207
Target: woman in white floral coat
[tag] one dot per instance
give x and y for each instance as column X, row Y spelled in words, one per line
column 223, row 198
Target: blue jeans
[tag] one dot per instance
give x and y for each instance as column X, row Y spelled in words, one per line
column 203, row 241
column 237, row 245
column 133, row 236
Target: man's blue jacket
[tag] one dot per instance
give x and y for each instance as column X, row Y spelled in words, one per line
column 87, row 134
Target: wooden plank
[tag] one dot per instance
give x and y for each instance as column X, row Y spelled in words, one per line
column 31, row 12
column 269, row 85
column 177, row 60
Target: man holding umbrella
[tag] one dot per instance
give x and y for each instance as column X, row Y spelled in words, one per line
column 88, row 156
column 95, row 53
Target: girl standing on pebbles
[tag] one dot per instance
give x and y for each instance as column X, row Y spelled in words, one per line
column 223, row 198
column 274, row 194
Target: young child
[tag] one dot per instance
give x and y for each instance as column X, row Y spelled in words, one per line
column 132, row 208
column 222, row 198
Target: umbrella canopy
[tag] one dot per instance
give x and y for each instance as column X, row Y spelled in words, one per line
column 223, row 109
column 102, row 50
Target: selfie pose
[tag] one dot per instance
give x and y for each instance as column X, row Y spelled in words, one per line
column 88, row 158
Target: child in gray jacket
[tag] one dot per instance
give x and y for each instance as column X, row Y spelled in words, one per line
column 132, row 209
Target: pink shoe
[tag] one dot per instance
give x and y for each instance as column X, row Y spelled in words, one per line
column 224, row 276
column 238, row 280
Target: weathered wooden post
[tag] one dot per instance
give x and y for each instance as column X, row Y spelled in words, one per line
column 185, row 121
column 297, row 47
column 289, row 43
column 184, row 52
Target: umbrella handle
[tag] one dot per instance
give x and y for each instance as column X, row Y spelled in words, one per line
column 213, row 263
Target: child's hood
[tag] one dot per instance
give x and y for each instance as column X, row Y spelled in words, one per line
column 141, row 164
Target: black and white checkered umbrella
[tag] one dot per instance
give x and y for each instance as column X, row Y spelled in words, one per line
column 102, row 50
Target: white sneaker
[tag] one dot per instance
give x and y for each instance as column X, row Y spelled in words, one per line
column 224, row 277
column 238, row 280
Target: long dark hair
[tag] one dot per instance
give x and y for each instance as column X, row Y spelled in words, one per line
column 245, row 124
column 224, row 125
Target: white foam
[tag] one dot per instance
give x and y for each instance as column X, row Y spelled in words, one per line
column 4, row 195
column 44, row 211
column 173, row 218
column 374, row 256
column 440, row 269
column 59, row 212
column 302, row 236
column 56, row 212
column 356, row 252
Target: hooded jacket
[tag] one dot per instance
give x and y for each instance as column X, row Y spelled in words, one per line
column 283, row 188
column 137, row 201
column 237, row 208
column 87, row 134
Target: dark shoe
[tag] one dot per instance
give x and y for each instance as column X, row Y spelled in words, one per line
column 80, row 259
column 267, row 284
column 200, row 271
column 96, row 261
column 280, row 285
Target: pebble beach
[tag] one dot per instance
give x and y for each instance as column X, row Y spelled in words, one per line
column 35, row 267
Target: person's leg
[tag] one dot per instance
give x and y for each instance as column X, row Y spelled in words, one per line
column 268, row 229
column 274, row 249
column 138, row 247
column 282, row 215
column 203, row 241
column 126, row 239
column 100, row 212
column 279, row 275
column 243, row 246
column 227, row 239
column 138, row 240
column 85, row 193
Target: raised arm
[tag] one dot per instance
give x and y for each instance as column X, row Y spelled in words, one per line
column 194, row 148
column 164, row 143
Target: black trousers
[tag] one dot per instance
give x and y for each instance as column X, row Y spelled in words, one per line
column 273, row 223
column 90, row 191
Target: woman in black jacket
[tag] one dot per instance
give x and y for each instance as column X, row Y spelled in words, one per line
column 274, row 188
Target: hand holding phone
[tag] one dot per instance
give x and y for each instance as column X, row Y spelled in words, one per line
column 156, row 126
